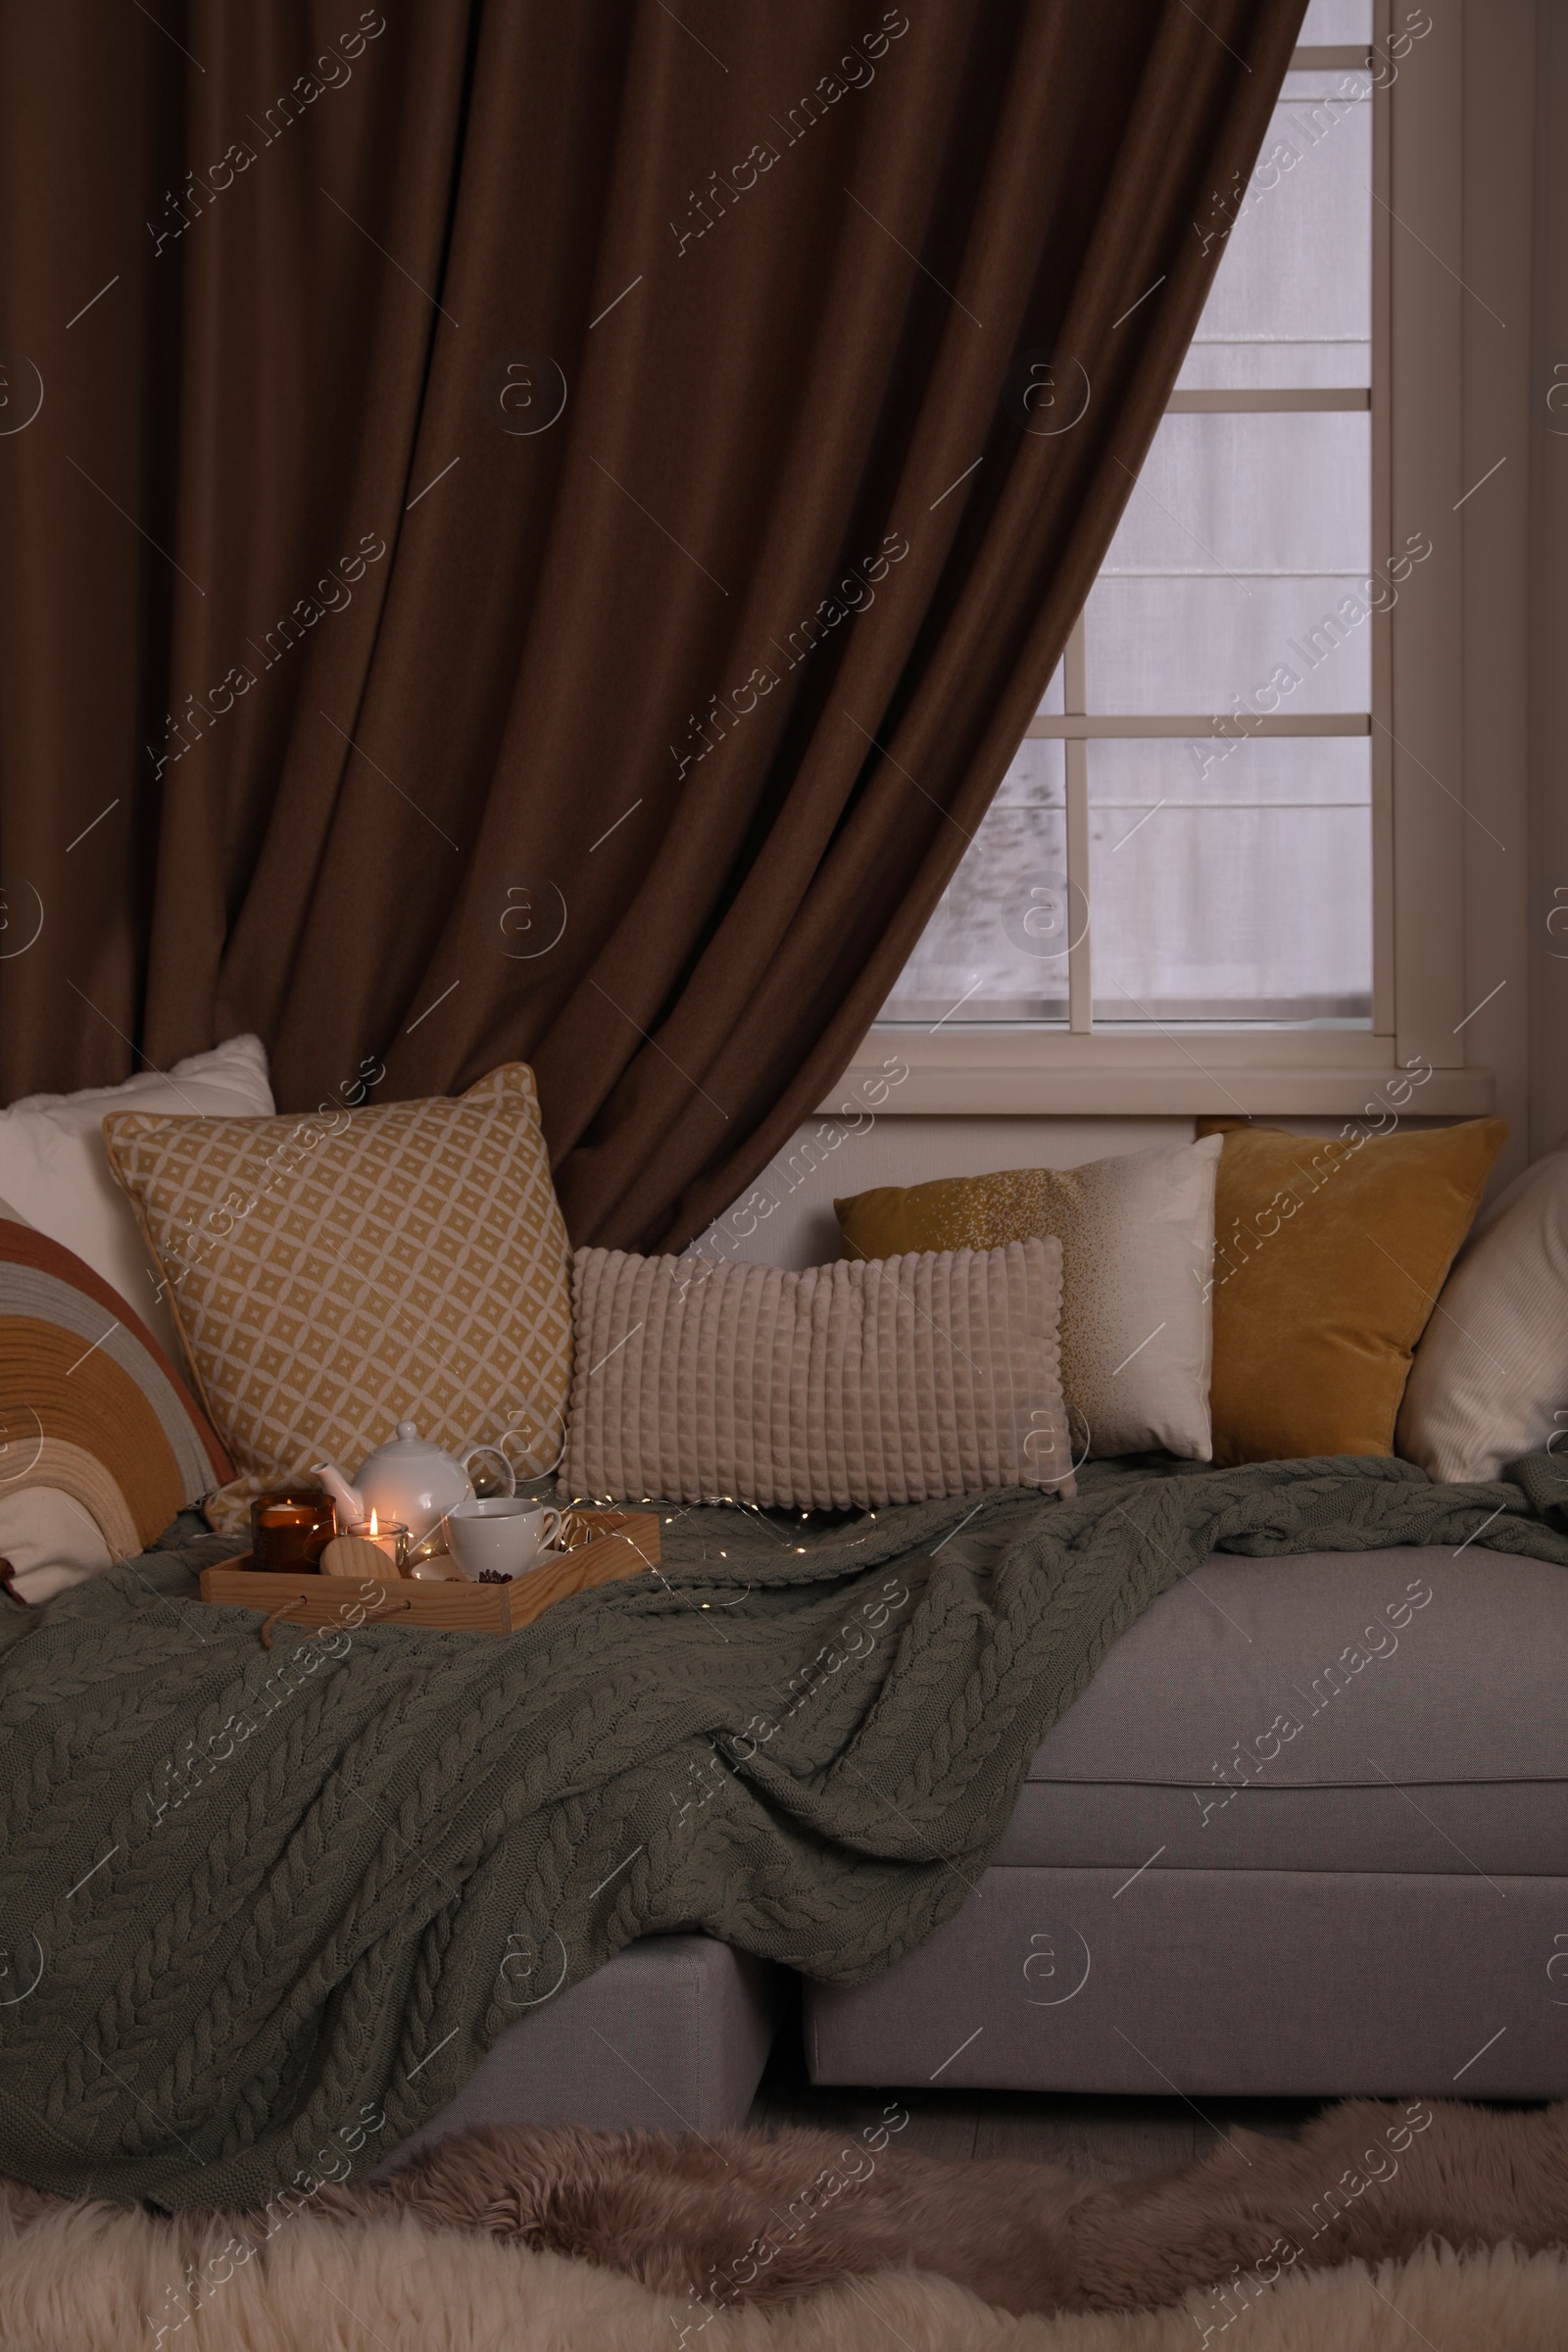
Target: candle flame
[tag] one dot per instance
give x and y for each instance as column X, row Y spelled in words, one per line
column 374, row 1529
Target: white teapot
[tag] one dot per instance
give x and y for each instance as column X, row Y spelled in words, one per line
column 407, row 1481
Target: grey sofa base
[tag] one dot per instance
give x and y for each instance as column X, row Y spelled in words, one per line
column 1225, row 1982
column 671, row 2036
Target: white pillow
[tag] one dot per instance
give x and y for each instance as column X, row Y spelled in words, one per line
column 1491, row 1374
column 51, row 1542
column 1137, row 1233
column 1137, row 1325
column 54, row 1168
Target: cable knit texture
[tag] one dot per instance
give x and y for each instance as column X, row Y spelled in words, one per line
column 249, row 1897
column 850, row 1385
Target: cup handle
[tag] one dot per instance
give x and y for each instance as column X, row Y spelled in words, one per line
column 548, row 1534
column 496, row 1455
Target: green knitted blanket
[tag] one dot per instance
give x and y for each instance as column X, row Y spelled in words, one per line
column 263, row 1911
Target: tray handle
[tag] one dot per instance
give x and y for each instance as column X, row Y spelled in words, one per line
column 280, row 1616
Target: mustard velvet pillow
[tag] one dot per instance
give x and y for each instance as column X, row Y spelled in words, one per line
column 1329, row 1254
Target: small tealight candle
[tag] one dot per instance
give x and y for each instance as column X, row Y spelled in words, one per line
column 390, row 1537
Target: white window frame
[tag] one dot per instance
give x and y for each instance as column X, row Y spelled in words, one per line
column 1418, row 814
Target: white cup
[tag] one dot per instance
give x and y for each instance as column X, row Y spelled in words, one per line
column 501, row 1532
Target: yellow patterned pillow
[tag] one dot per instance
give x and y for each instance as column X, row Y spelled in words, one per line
column 334, row 1274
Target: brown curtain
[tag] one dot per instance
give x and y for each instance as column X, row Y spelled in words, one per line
column 534, row 527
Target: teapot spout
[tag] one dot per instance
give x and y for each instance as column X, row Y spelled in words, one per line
column 347, row 1500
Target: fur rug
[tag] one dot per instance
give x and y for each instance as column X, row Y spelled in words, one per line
column 746, row 2218
column 103, row 2279
column 577, row 2241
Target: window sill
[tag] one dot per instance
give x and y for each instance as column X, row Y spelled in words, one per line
column 1035, row 1073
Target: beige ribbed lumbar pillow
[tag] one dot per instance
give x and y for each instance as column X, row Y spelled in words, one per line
column 914, row 1377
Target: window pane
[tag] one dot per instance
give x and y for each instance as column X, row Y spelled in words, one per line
column 1231, row 771
column 1231, row 881
column 1291, row 300
column 1265, row 492
column 1335, row 21
column 1274, row 365
column 1037, row 778
column 1196, row 645
column 1239, row 558
column 996, row 948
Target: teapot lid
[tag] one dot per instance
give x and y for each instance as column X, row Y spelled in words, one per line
column 407, row 1441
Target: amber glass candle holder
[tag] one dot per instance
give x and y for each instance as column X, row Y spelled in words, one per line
column 290, row 1529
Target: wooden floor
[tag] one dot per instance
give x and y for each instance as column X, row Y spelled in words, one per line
column 1102, row 2138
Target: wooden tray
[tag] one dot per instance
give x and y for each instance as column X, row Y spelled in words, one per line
column 602, row 1548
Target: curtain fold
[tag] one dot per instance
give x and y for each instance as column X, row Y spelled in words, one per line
column 550, row 526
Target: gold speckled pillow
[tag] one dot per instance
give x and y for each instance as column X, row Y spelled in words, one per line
column 334, row 1274
column 1137, row 1237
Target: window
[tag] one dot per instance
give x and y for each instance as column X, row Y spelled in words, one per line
column 1195, row 849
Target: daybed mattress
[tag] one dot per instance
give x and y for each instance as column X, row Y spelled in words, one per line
column 1305, row 1831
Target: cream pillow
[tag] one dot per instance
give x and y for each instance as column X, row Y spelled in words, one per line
column 1137, row 1234
column 334, row 1277
column 54, row 1169
column 1490, row 1380
column 845, row 1385
column 51, row 1539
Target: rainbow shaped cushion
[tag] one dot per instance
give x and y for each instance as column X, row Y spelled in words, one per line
column 89, row 1403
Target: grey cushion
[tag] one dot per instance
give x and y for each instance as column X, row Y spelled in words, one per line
column 1425, row 1689
column 670, row 2036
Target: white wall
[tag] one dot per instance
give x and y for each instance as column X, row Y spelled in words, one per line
column 786, row 1218
column 830, row 1159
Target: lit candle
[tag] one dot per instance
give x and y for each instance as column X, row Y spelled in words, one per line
column 290, row 1530
column 390, row 1537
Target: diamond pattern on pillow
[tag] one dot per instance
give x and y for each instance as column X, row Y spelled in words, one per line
column 330, row 1280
